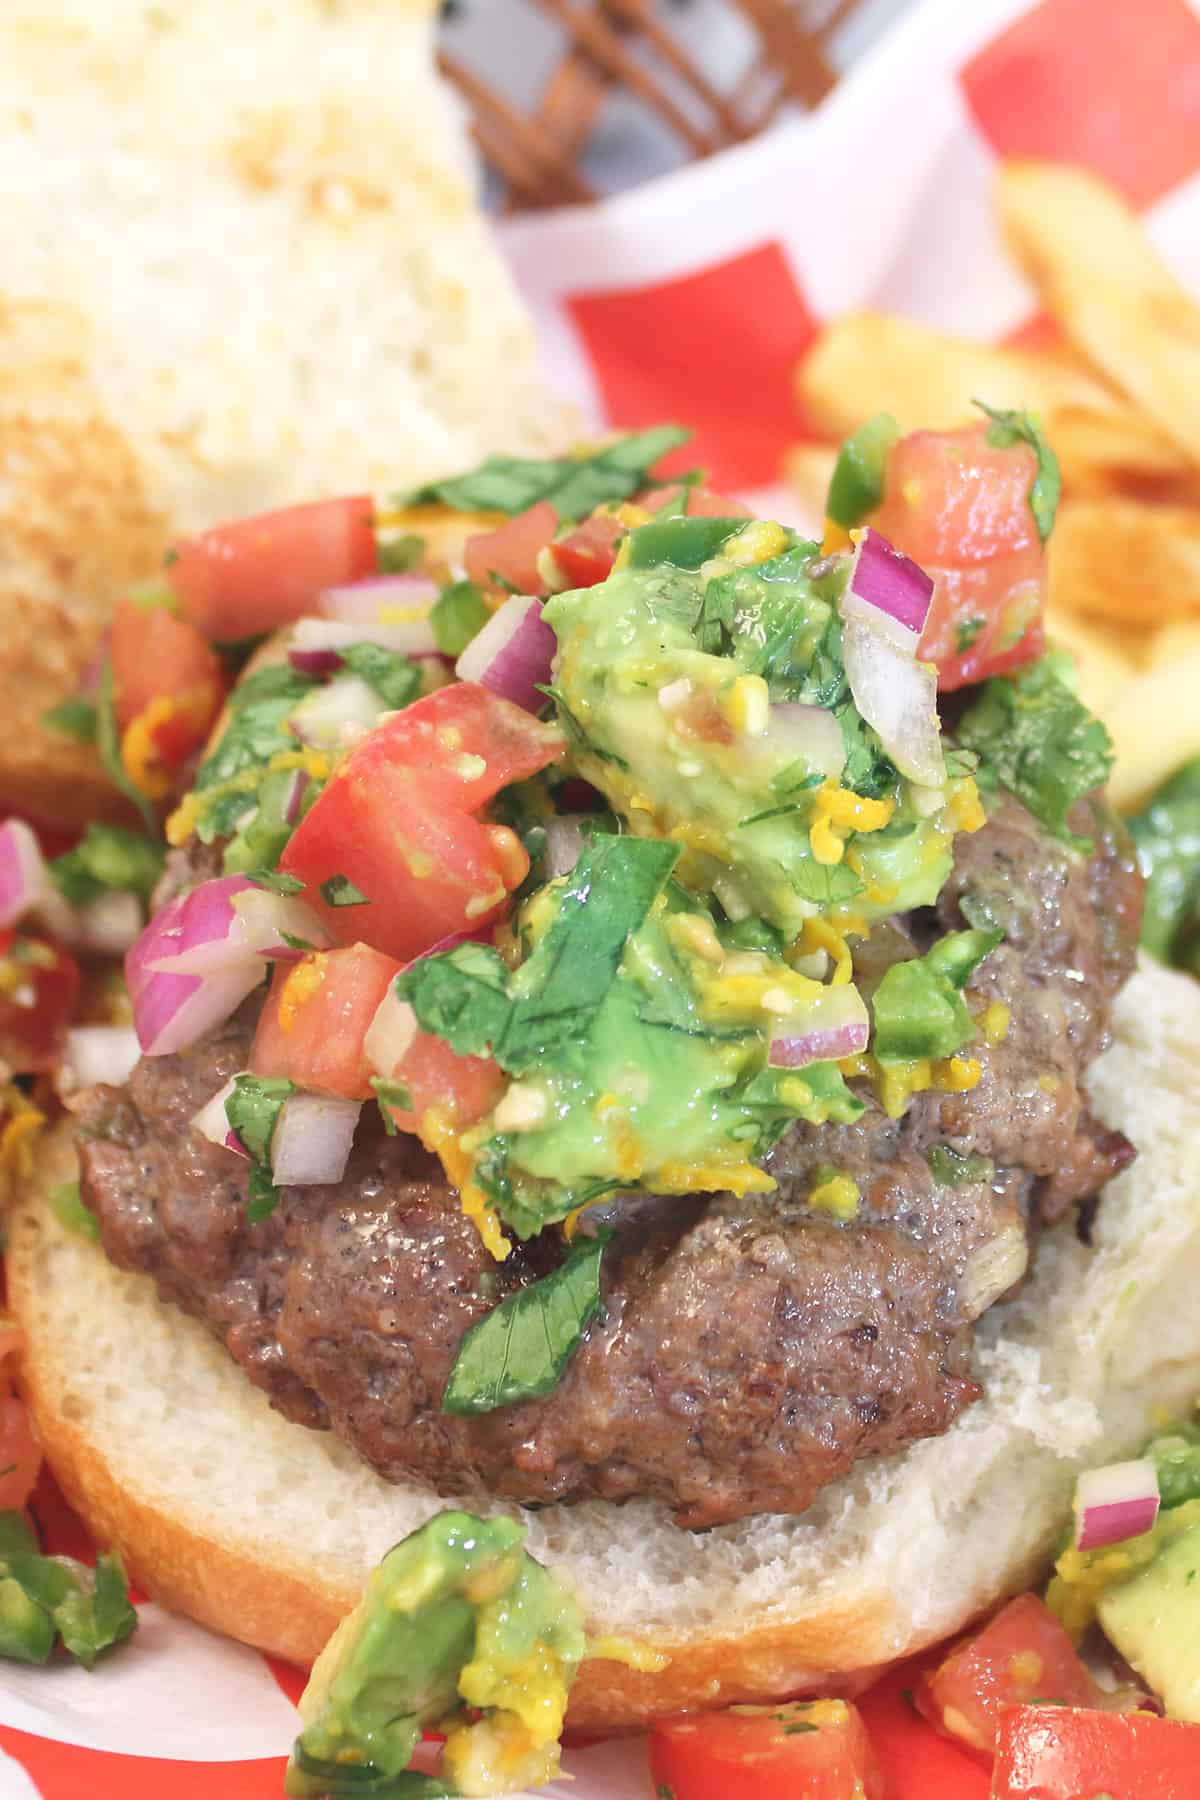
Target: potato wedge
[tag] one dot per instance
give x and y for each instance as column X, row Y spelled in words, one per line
column 1109, row 290
column 867, row 363
column 1102, row 660
column 1173, row 643
column 1121, row 560
column 1155, row 728
column 1120, row 450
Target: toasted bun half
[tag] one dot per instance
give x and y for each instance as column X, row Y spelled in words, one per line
column 243, row 266
column 267, row 1531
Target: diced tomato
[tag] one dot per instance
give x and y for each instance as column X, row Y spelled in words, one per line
column 507, row 556
column 960, row 508
column 801, row 1750
column 1022, row 1654
column 702, row 502
column 1059, row 1753
column 166, row 674
column 252, row 575
column 312, row 1027
column 20, row 1452
column 399, row 820
column 39, row 984
column 463, row 1087
column 587, row 553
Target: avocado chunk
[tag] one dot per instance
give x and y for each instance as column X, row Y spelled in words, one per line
column 1154, row 1621
column 457, row 1615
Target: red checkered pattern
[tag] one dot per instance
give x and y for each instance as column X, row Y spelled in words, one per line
column 694, row 301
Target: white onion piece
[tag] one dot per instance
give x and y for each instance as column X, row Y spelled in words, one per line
column 887, row 591
column 23, row 877
column 109, row 925
column 311, row 1142
column 212, row 1121
column 390, row 1034
column 834, row 1024
column 97, row 1053
column 410, row 636
column 796, row 731
column 564, row 844
column 376, row 596
column 898, row 697
column 1114, row 1503
column 336, row 715
column 512, row 654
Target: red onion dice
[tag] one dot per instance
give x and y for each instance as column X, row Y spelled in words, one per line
column 513, row 654
column 888, row 591
column 883, row 610
column 203, row 953
column 833, row 1025
column 1116, row 1502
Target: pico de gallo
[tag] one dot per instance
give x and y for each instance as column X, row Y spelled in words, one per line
column 547, row 828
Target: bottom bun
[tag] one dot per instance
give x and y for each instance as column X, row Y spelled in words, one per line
column 267, row 1531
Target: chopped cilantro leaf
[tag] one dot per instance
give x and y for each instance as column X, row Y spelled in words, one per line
column 275, row 882
column 546, row 1009
column 74, row 718
column 1036, row 739
column 966, row 632
column 459, row 614
column 1010, row 426
column 339, row 890
column 394, row 678
column 397, row 555
column 66, row 1203
column 253, row 1110
column 391, row 1094
column 825, row 884
column 520, row 1349
column 257, row 730
column 574, row 486
column 108, row 858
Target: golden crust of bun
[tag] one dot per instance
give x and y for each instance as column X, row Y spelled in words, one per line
column 266, row 1531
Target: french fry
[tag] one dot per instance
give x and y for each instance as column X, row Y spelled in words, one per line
column 1155, row 728
column 867, row 363
column 1172, row 643
column 1102, row 660
column 1120, row 450
column 1108, row 289
column 1121, row 560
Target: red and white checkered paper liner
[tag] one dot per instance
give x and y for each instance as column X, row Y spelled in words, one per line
column 693, row 299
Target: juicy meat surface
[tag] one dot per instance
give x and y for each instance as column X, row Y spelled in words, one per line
column 750, row 1351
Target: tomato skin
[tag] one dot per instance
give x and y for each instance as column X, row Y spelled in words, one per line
column 960, row 508
column 1020, row 1655
column 155, row 657
column 47, row 980
column 252, row 575
column 1063, row 1753
column 702, row 502
column 464, row 1087
column 398, row 818
column 510, row 552
column 587, row 553
column 767, row 1753
column 316, row 1016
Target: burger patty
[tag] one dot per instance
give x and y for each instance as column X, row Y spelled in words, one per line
column 750, row 1350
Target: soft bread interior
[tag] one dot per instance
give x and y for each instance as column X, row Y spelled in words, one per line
column 137, row 1402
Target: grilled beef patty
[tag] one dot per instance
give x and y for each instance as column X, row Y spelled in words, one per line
column 751, row 1350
